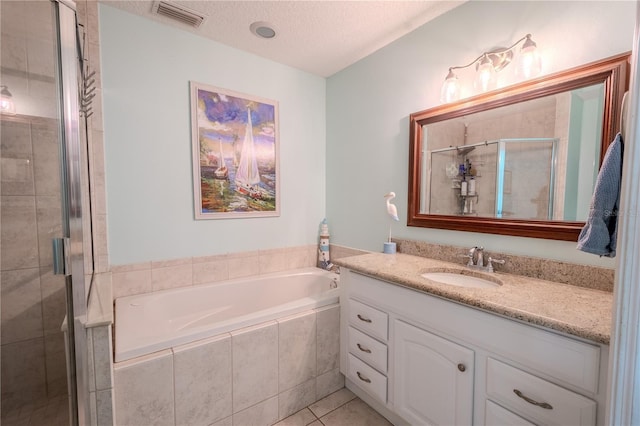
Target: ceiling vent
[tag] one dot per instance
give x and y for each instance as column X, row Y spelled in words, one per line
column 178, row 13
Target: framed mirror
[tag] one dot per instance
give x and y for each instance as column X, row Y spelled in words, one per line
column 520, row 161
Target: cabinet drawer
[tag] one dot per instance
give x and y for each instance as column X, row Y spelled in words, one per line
column 542, row 401
column 368, row 349
column 368, row 319
column 495, row 415
column 367, row 378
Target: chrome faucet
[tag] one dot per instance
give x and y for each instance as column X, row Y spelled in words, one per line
column 476, row 260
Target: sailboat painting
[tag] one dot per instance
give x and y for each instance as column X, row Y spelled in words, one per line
column 235, row 154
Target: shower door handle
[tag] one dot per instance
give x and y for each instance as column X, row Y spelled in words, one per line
column 60, row 256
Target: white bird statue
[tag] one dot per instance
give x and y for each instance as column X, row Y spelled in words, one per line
column 391, row 209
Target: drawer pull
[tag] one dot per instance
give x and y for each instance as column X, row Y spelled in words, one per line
column 361, row 318
column 361, row 377
column 363, row 349
column 461, row 367
column 531, row 401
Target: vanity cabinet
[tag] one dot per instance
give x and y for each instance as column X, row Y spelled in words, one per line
column 424, row 360
column 433, row 378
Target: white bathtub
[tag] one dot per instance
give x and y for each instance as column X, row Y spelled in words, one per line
column 151, row 322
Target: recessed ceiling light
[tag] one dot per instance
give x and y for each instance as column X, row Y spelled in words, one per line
column 263, row 29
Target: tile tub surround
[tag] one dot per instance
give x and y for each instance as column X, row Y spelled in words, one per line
column 550, row 270
column 256, row 375
column 164, row 274
column 578, row 311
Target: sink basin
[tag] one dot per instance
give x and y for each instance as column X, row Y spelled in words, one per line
column 462, row 278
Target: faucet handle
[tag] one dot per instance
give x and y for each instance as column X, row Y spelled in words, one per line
column 491, row 261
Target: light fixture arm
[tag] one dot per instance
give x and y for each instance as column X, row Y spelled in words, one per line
column 494, row 52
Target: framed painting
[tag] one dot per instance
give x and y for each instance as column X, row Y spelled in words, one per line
column 235, row 154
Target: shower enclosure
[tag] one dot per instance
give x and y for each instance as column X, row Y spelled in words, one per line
column 41, row 169
column 510, row 177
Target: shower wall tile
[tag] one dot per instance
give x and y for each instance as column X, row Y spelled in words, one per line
column 56, row 365
column 13, row 54
column 12, row 20
column 19, row 233
column 297, row 349
column 46, row 154
column 49, row 218
column 54, row 300
column 23, row 373
column 203, row 381
column 255, row 360
column 329, row 382
column 295, row 399
column 264, row 413
column 328, row 338
column 21, row 305
column 17, row 175
column 224, row 422
column 144, row 391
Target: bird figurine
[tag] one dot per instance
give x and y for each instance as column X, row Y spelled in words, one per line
column 391, row 209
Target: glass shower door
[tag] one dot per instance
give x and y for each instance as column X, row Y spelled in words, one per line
column 35, row 202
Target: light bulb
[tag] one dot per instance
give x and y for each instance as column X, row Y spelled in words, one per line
column 6, row 102
column 450, row 90
column 529, row 61
column 486, row 75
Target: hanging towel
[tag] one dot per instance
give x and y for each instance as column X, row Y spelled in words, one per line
column 599, row 233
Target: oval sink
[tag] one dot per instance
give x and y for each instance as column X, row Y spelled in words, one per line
column 462, row 279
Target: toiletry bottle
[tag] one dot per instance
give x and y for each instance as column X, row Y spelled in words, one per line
column 463, row 186
column 472, row 186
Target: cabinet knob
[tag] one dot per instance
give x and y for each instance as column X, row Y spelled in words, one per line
column 461, row 367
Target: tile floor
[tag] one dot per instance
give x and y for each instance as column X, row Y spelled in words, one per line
column 338, row 409
column 341, row 408
column 54, row 412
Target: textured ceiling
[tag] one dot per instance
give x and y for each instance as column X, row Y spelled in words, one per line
column 320, row 37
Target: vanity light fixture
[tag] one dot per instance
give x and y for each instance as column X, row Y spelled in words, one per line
column 6, row 101
column 488, row 64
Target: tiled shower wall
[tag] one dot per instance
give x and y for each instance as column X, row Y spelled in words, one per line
column 33, row 299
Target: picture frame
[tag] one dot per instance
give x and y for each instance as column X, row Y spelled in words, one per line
column 235, row 146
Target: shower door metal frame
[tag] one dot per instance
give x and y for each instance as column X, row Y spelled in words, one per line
column 72, row 224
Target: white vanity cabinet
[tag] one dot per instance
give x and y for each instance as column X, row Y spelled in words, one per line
column 423, row 360
column 433, row 378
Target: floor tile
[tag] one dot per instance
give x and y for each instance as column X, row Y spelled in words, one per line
column 303, row 417
column 354, row 413
column 331, row 402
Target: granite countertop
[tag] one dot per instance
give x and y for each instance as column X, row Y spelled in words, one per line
column 570, row 309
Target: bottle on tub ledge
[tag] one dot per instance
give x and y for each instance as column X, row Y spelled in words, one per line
column 324, row 261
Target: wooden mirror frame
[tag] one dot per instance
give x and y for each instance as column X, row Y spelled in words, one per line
column 612, row 72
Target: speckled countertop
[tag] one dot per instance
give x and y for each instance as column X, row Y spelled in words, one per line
column 578, row 311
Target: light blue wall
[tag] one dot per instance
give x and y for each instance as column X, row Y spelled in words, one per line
column 368, row 107
column 146, row 69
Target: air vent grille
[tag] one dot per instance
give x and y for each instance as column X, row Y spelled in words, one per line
column 178, row 13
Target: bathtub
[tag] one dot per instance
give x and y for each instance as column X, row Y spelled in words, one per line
column 164, row 319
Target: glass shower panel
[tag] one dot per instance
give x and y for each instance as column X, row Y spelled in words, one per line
column 525, row 178
column 34, row 376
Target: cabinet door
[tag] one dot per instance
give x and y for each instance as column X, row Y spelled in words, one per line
column 433, row 378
